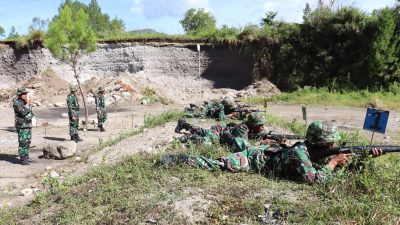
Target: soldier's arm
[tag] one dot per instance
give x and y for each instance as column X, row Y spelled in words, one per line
column 308, row 172
column 21, row 109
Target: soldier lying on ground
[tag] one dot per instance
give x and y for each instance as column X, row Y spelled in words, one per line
column 252, row 128
column 293, row 163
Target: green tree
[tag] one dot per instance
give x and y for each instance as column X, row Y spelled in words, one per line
column 196, row 21
column 68, row 38
column 13, row 33
column 2, row 31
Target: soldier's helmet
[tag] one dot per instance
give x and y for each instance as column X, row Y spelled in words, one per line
column 21, row 91
column 322, row 132
column 73, row 88
column 228, row 102
column 100, row 89
column 255, row 119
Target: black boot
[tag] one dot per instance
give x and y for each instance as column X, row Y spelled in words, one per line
column 24, row 159
column 72, row 137
column 102, row 128
column 77, row 138
column 182, row 124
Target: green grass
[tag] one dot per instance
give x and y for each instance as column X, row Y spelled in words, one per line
column 138, row 191
column 322, row 96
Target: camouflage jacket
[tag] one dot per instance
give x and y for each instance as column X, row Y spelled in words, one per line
column 23, row 114
column 100, row 102
column 72, row 103
column 293, row 163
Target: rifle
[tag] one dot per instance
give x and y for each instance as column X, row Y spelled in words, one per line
column 316, row 154
column 278, row 137
column 248, row 110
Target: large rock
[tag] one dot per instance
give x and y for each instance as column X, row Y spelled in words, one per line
column 64, row 150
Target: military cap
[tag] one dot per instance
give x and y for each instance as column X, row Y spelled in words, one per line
column 322, row 132
column 255, row 119
column 228, row 102
column 21, row 90
column 100, row 89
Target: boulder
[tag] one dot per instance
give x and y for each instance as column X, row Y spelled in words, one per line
column 64, row 150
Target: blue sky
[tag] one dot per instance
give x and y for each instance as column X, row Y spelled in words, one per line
column 164, row 15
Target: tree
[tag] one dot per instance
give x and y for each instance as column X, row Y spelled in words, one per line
column 68, row 38
column 268, row 20
column 13, row 33
column 2, row 31
column 38, row 24
column 197, row 20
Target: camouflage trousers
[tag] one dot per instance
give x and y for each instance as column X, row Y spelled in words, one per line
column 73, row 123
column 24, row 140
column 204, row 136
column 101, row 116
column 195, row 112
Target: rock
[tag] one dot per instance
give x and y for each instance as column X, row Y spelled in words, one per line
column 59, row 104
column 48, row 167
column 77, row 159
column 35, row 190
column 64, row 150
column 126, row 94
column 26, row 192
column 37, row 103
column 54, row 174
column 64, row 115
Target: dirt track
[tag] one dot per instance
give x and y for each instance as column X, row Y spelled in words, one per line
column 15, row 177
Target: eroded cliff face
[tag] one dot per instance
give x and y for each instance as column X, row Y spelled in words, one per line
column 220, row 66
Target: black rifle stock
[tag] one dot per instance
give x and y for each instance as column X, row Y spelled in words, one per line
column 316, row 154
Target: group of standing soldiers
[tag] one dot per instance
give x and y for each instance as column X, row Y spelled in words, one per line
column 24, row 116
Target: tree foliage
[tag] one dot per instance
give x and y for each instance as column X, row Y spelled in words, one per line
column 198, row 20
column 100, row 22
column 69, row 37
column 13, row 33
column 2, row 31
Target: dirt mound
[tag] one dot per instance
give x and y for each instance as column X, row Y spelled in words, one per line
column 261, row 88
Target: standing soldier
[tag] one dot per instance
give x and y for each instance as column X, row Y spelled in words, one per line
column 100, row 109
column 23, row 124
column 73, row 114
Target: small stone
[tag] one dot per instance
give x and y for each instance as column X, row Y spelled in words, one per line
column 54, row 174
column 145, row 130
column 387, row 137
column 26, row 192
column 48, row 167
column 64, row 115
column 36, row 190
column 77, row 159
column 59, row 104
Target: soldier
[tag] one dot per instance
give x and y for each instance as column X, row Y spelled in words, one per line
column 199, row 135
column 207, row 110
column 23, row 124
column 255, row 124
column 73, row 114
column 100, row 109
column 293, row 163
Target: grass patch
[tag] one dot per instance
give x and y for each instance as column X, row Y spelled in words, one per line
column 322, row 96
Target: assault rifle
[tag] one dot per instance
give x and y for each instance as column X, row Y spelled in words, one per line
column 316, row 154
column 278, row 137
column 248, row 110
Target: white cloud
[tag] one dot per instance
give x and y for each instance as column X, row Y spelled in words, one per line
column 153, row 9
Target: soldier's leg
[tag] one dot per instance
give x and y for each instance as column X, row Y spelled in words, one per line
column 24, row 141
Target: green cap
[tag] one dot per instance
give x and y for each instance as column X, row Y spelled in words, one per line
column 21, row 90
column 100, row 89
column 322, row 132
column 255, row 119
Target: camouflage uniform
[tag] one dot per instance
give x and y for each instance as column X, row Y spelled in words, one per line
column 293, row 163
column 246, row 129
column 208, row 110
column 100, row 108
column 23, row 124
column 73, row 114
column 200, row 135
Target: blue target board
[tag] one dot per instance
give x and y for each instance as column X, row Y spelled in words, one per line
column 376, row 120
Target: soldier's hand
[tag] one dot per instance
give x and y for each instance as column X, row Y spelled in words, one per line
column 73, row 117
column 341, row 159
column 377, row 152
